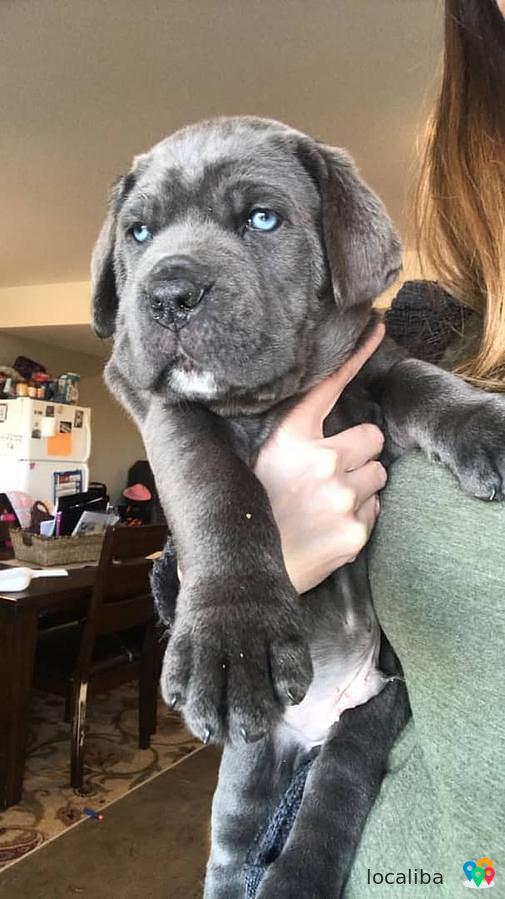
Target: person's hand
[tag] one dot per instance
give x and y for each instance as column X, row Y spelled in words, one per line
column 323, row 491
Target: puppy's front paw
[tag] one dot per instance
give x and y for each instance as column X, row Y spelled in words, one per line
column 236, row 656
column 475, row 451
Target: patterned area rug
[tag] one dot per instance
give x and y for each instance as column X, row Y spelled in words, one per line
column 113, row 765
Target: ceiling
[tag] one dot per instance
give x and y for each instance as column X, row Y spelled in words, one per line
column 85, row 84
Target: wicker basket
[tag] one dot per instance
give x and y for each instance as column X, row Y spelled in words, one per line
column 50, row 551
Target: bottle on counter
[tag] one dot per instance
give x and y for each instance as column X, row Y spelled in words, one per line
column 21, row 388
column 68, row 388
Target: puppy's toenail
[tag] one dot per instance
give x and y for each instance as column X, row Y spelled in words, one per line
column 294, row 696
column 251, row 738
column 174, row 700
column 206, row 736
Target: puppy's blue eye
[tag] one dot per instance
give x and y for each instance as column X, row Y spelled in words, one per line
column 141, row 233
column 263, row 220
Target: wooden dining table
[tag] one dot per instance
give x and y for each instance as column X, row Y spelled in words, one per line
column 21, row 615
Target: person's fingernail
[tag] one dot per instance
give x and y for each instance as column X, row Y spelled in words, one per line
column 382, row 471
column 377, row 505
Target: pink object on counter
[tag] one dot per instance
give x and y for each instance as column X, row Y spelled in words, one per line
column 137, row 493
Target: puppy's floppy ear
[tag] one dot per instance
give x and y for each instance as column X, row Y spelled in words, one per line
column 104, row 296
column 362, row 247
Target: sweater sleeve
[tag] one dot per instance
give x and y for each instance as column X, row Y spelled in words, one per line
column 424, row 319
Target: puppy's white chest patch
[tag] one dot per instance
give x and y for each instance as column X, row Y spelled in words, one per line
column 342, row 684
column 192, row 384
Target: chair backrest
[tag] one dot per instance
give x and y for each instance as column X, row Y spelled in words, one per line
column 121, row 597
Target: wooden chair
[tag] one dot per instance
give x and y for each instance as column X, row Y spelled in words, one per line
column 116, row 643
column 4, row 535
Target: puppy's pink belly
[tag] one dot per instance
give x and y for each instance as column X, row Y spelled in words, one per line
column 335, row 688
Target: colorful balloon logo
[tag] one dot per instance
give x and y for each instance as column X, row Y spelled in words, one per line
column 479, row 873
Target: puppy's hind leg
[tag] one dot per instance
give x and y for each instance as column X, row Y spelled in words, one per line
column 340, row 790
column 251, row 779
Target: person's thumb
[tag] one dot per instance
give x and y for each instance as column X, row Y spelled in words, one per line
column 307, row 417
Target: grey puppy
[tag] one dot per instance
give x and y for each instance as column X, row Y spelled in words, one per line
column 236, row 268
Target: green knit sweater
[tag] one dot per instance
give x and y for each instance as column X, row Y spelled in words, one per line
column 438, row 581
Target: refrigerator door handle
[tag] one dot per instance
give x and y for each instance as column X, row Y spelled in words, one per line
column 88, row 442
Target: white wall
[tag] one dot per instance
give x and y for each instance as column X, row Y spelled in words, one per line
column 116, row 444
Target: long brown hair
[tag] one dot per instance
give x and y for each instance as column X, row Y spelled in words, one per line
column 460, row 196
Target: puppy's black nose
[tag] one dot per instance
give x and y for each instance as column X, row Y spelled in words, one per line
column 177, row 294
column 173, row 300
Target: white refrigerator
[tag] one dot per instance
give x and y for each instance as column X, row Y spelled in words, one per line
column 44, row 448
